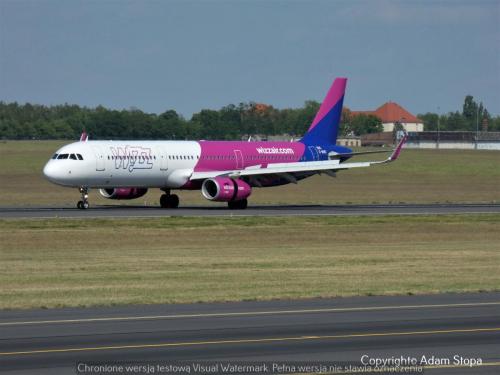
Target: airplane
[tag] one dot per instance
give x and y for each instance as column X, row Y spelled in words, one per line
column 224, row 171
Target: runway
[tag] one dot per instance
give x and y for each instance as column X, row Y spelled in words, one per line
column 297, row 210
column 341, row 332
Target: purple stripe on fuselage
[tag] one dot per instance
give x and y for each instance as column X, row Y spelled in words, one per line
column 230, row 155
column 331, row 99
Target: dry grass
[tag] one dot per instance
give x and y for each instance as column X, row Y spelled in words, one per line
column 64, row 262
column 420, row 176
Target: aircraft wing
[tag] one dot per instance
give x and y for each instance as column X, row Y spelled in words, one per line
column 288, row 170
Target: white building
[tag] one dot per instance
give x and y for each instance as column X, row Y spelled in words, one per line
column 390, row 113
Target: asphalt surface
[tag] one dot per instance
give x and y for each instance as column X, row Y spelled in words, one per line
column 338, row 331
column 298, row 210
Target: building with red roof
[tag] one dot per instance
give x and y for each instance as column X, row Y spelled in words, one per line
column 391, row 113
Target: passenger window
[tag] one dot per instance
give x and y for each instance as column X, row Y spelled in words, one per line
column 55, row 156
column 62, row 156
column 72, row 156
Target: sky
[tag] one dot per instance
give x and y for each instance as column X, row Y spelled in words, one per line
column 192, row 55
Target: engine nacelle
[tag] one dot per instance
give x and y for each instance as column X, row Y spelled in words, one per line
column 225, row 189
column 123, row 193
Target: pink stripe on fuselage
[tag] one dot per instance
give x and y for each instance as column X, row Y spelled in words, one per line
column 230, row 155
column 332, row 97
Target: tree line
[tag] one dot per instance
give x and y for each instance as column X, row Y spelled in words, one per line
column 474, row 116
column 33, row 121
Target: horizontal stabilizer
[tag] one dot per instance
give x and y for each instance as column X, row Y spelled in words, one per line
column 348, row 154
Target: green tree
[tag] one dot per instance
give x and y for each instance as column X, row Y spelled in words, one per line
column 430, row 121
column 469, row 108
column 364, row 124
column 345, row 122
column 472, row 113
column 208, row 121
column 33, row 121
column 456, row 121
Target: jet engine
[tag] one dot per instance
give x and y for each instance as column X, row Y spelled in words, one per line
column 225, row 189
column 123, row 193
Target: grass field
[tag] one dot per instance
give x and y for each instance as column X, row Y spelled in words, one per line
column 419, row 176
column 69, row 262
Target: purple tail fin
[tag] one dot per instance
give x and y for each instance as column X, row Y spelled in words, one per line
column 325, row 126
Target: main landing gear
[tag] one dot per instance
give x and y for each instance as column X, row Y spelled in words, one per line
column 84, row 203
column 168, row 200
column 237, row 205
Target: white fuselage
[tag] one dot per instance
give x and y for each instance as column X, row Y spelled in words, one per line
column 110, row 164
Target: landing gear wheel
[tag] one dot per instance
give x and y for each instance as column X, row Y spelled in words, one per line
column 238, row 205
column 164, row 201
column 169, row 201
column 84, row 203
column 174, row 201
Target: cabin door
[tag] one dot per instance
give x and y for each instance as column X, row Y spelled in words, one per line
column 162, row 155
column 239, row 159
column 99, row 158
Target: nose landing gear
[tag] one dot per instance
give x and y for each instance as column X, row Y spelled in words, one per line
column 84, row 203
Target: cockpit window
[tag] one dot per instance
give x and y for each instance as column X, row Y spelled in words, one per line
column 80, row 157
column 55, row 156
column 72, row 156
column 63, row 156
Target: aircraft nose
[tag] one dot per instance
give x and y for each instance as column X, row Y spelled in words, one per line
column 50, row 171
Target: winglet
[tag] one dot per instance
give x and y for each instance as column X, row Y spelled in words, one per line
column 397, row 150
column 84, row 137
